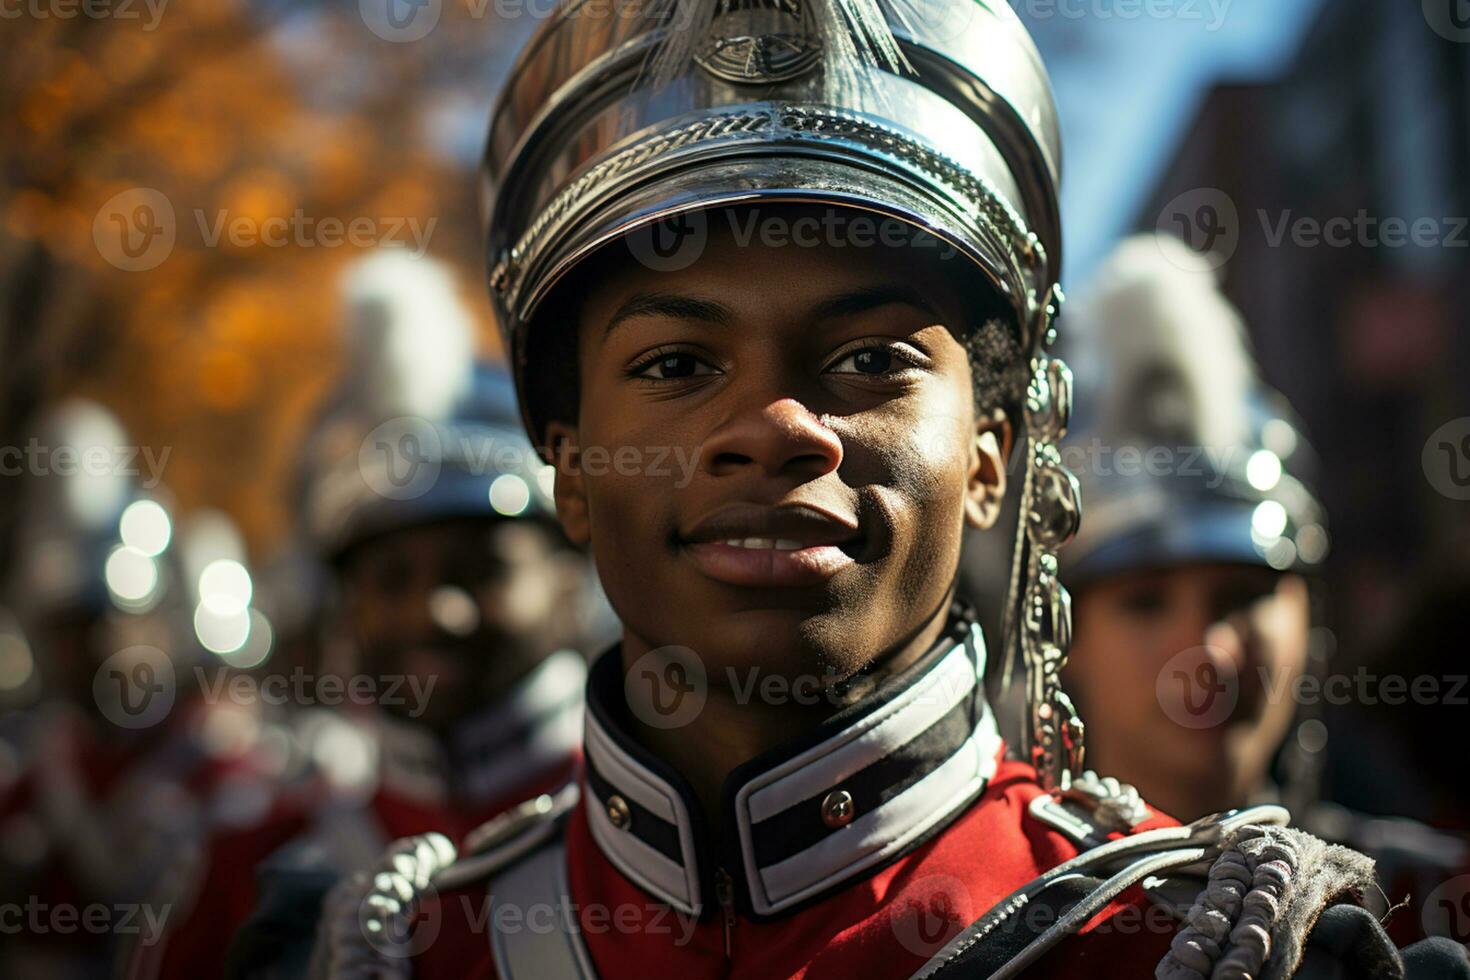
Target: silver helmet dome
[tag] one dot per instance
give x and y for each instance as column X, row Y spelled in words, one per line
column 617, row 117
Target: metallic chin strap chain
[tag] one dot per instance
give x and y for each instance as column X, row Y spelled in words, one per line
column 1050, row 515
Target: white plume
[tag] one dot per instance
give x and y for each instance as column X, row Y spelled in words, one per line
column 85, row 498
column 409, row 336
column 1160, row 348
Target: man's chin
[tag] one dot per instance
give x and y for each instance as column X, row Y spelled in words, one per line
column 824, row 644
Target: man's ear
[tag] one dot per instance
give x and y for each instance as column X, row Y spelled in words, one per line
column 986, row 486
column 570, row 490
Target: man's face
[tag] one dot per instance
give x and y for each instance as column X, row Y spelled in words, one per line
column 1184, row 678
column 799, row 453
column 474, row 604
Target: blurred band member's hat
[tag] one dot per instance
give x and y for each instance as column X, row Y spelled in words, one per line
column 420, row 431
column 1184, row 454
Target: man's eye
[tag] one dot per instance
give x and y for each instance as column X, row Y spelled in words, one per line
column 1143, row 602
column 871, row 361
column 671, row 367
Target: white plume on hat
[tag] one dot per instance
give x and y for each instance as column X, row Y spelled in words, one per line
column 1160, row 349
column 91, row 496
column 410, row 344
column 409, row 336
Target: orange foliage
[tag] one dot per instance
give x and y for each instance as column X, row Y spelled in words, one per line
column 222, row 349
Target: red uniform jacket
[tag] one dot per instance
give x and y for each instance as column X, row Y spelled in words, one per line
column 860, row 851
column 523, row 746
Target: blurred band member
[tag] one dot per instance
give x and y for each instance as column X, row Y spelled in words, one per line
column 458, row 606
column 124, row 773
column 432, row 512
column 1193, row 612
column 1194, row 571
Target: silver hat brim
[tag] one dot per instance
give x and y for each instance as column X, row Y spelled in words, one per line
column 962, row 237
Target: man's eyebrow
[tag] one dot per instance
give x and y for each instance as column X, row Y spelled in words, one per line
column 671, row 305
column 870, row 298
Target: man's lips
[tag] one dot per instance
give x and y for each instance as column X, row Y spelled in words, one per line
column 772, row 547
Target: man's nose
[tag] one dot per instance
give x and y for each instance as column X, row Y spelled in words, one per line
column 779, row 436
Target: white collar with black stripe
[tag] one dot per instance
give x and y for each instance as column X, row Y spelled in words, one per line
column 869, row 785
column 494, row 752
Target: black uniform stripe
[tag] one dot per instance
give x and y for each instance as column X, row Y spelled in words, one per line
column 647, row 826
column 800, row 826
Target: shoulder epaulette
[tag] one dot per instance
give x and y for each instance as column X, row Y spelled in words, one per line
column 367, row 919
column 1090, row 809
column 498, row 843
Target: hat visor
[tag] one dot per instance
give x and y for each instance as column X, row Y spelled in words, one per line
column 1199, row 534
column 786, row 179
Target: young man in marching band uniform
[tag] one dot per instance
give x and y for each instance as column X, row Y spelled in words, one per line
column 813, row 248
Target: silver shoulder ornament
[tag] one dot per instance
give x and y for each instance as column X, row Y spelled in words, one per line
column 368, row 928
